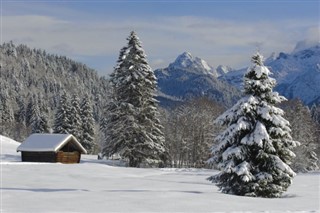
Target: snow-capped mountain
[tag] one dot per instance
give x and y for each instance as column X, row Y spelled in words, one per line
column 297, row 73
column 188, row 77
column 187, row 62
column 223, row 70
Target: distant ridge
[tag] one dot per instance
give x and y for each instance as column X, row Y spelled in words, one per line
column 190, row 77
column 297, row 73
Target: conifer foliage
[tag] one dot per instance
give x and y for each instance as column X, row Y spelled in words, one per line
column 87, row 121
column 74, row 117
column 132, row 128
column 254, row 152
column 63, row 123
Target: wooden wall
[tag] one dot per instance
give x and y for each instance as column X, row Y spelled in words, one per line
column 51, row 157
column 38, row 156
column 68, row 157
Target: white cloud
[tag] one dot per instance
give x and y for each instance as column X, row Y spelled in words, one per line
column 217, row 41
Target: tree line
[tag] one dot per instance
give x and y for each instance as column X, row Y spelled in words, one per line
column 128, row 120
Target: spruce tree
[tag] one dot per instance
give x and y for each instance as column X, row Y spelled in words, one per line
column 315, row 113
column 254, row 152
column 39, row 117
column 29, row 110
column 75, row 118
column 62, row 123
column 21, row 113
column 87, row 121
column 133, row 129
column 6, row 112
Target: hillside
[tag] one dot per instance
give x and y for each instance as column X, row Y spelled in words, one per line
column 8, row 149
column 26, row 71
column 33, row 75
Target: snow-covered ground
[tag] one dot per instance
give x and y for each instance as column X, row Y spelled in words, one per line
column 98, row 186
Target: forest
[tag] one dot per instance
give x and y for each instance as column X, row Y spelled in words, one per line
column 45, row 93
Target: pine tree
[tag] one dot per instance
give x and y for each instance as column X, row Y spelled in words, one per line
column 315, row 113
column 6, row 112
column 133, row 128
column 62, row 123
column 30, row 110
column 35, row 117
column 74, row 117
column 87, row 138
column 6, row 115
column 21, row 113
column 254, row 152
column 39, row 117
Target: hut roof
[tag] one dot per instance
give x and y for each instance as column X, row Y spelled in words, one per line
column 49, row 143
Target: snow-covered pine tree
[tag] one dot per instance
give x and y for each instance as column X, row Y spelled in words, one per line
column 62, row 123
column 21, row 113
column 75, row 118
column 133, row 129
column 254, row 152
column 35, row 117
column 39, row 117
column 6, row 115
column 29, row 110
column 6, row 111
column 315, row 113
column 87, row 121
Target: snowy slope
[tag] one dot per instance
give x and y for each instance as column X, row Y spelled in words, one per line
column 97, row 186
column 297, row 74
column 8, row 149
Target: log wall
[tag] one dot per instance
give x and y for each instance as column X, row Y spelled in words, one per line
column 68, row 157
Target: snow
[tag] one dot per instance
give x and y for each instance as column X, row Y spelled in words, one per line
column 101, row 186
column 205, row 65
column 8, row 150
column 258, row 136
column 261, row 70
column 193, row 64
column 232, row 151
column 47, row 142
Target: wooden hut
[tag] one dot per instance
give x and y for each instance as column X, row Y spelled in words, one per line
column 63, row 148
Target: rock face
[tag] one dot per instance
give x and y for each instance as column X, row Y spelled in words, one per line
column 190, row 77
column 297, row 74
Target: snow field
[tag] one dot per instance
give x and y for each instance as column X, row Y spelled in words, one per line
column 97, row 186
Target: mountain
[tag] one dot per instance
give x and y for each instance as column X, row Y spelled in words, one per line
column 32, row 74
column 191, row 64
column 189, row 77
column 223, row 70
column 297, row 73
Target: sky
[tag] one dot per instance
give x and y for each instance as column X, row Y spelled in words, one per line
column 220, row 32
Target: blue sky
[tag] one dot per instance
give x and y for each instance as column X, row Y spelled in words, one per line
column 220, row 32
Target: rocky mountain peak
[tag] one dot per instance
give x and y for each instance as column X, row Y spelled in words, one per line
column 187, row 62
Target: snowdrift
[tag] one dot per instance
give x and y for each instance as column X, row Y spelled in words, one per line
column 96, row 186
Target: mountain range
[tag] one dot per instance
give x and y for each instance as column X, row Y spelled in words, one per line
column 191, row 77
column 297, row 75
column 26, row 71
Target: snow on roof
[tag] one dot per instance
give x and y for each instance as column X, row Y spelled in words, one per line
column 48, row 143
